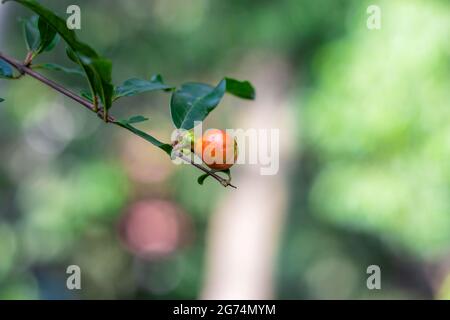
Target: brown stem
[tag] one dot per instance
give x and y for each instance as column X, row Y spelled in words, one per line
column 26, row 70
column 95, row 97
column 28, row 59
column 23, row 69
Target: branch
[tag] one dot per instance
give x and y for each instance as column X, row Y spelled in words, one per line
column 24, row 69
column 224, row 182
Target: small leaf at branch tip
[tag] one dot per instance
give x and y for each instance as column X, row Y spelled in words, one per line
column 202, row 178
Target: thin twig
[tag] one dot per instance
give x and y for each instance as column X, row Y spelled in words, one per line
column 23, row 69
column 26, row 70
column 224, row 182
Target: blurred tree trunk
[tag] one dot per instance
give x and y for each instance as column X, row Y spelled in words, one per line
column 244, row 232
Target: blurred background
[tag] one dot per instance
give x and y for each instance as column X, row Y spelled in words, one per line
column 364, row 178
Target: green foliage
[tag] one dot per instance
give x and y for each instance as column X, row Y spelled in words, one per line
column 242, row 89
column 48, row 36
column 202, row 178
column 349, row 155
column 194, row 101
column 134, row 119
column 6, row 70
column 99, row 73
column 31, row 32
column 1, row 100
column 57, row 67
column 136, row 86
column 87, row 95
column 39, row 36
column 97, row 69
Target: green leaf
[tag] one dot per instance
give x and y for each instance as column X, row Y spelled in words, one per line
column 242, row 89
column 136, row 86
column 163, row 146
column 202, row 178
column 53, row 44
column 48, row 36
column 71, row 55
column 183, row 100
column 39, row 35
column 159, row 78
column 31, row 32
column 87, row 95
column 194, row 101
column 102, row 80
column 6, row 71
column 56, row 67
column 1, row 100
column 134, row 119
column 97, row 68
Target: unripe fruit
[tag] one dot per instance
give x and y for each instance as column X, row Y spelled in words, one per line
column 217, row 149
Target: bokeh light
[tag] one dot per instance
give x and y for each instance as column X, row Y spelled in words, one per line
column 154, row 229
